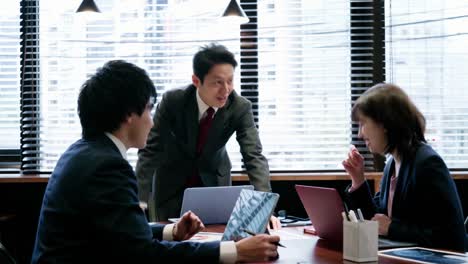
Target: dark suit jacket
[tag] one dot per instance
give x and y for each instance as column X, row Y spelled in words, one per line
column 426, row 207
column 90, row 214
column 170, row 153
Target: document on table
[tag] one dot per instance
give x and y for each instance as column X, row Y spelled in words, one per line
column 206, row 237
column 284, row 234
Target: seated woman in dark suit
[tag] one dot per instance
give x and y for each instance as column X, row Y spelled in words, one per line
column 418, row 200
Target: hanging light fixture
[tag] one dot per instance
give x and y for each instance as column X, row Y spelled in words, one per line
column 88, row 6
column 234, row 11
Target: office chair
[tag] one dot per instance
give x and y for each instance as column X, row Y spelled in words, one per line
column 466, row 229
column 5, row 257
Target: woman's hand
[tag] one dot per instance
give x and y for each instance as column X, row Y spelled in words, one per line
column 354, row 165
column 384, row 223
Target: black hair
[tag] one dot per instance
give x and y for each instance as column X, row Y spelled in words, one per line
column 211, row 55
column 109, row 96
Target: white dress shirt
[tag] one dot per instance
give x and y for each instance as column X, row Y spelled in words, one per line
column 228, row 250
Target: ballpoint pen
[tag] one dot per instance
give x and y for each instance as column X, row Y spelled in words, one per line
column 254, row 234
column 361, row 216
column 352, row 216
column 346, row 211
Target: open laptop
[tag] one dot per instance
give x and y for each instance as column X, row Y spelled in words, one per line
column 250, row 214
column 213, row 205
column 324, row 207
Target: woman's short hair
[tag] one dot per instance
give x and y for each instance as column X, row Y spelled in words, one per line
column 389, row 105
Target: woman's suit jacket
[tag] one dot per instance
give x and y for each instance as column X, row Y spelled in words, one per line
column 426, row 207
column 170, row 155
column 90, row 214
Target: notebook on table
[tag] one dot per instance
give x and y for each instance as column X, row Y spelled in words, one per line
column 251, row 213
column 324, row 207
column 213, row 205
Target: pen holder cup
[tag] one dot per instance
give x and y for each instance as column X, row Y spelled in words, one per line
column 360, row 241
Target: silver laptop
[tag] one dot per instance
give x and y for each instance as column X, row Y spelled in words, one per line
column 212, row 204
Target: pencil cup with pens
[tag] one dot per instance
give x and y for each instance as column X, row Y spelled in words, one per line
column 360, row 238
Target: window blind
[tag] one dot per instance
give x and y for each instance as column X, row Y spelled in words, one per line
column 160, row 36
column 303, row 83
column 426, row 47
column 10, row 36
column 296, row 68
column 302, row 64
column 10, row 40
column 367, row 63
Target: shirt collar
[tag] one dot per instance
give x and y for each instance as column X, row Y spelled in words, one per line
column 118, row 144
column 202, row 107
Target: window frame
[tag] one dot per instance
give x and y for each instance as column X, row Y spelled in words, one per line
column 367, row 31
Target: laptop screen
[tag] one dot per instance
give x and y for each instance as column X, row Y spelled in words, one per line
column 251, row 213
column 213, row 205
column 324, row 207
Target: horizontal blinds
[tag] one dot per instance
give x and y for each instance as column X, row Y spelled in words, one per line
column 303, row 63
column 10, row 41
column 367, row 62
column 30, row 114
column 160, row 36
column 426, row 47
column 303, row 83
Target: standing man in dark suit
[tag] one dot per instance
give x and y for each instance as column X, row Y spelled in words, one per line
column 176, row 156
column 90, row 211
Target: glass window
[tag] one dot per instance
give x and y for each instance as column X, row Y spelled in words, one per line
column 427, row 56
column 304, row 84
column 10, row 68
column 160, row 36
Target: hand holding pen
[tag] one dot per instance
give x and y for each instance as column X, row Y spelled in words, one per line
column 254, row 234
column 258, row 248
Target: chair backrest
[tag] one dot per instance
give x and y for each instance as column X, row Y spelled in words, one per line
column 5, row 257
column 466, row 229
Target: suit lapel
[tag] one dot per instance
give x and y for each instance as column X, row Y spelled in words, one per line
column 191, row 120
column 401, row 186
column 389, row 171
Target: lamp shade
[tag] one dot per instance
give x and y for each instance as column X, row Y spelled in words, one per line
column 88, row 6
column 234, row 10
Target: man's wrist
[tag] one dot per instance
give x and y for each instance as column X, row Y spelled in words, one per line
column 168, row 232
column 227, row 252
column 174, row 232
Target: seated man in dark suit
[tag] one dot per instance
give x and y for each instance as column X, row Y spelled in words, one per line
column 90, row 211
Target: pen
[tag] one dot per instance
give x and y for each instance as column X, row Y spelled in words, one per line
column 344, row 216
column 361, row 216
column 352, row 216
column 254, row 234
column 346, row 211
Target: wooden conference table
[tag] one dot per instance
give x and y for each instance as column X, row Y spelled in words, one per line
column 305, row 251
